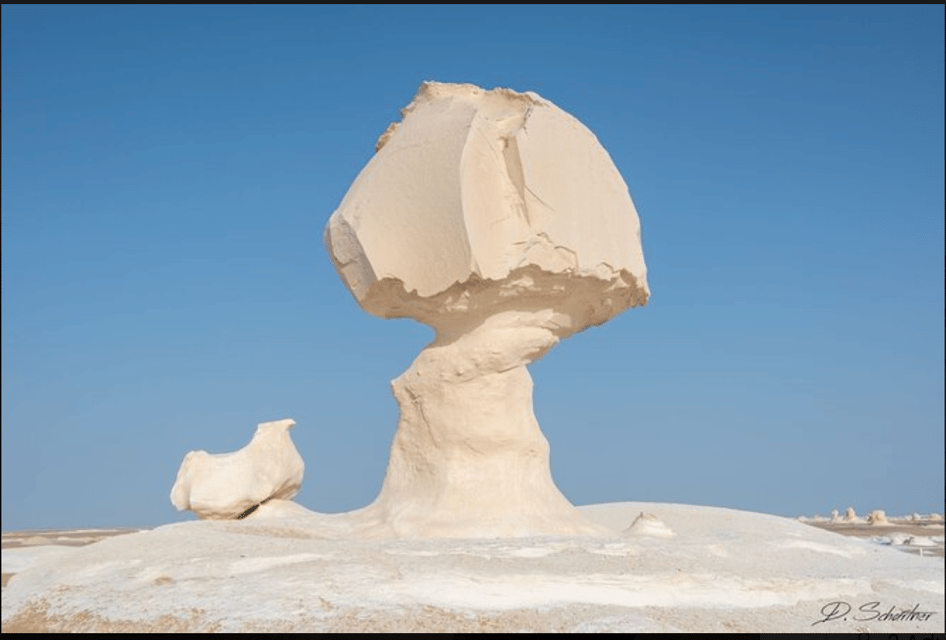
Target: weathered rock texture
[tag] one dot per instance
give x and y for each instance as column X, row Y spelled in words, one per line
column 225, row 486
column 500, row 221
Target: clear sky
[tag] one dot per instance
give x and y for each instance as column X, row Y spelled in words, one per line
column 168, row 171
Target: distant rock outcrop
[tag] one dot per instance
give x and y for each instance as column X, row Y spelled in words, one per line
column 851, row 516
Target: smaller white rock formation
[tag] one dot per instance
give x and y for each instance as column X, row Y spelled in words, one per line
column 647, row 524
column 877, row 517
column 835, row 516
column 225, row 486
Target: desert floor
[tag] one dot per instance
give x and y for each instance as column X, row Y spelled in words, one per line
column 722, row 570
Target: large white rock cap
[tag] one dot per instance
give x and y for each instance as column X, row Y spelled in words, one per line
column 480, row 197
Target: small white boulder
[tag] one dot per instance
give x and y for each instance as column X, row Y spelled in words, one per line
column 224, row 486
column 647, row 524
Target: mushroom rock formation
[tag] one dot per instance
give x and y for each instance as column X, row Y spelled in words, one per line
column 877, row 517
column 500, row 221
column 225, row 486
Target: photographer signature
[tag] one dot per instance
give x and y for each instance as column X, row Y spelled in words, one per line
column 872, row 611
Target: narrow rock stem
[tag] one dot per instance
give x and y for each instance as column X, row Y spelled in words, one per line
column 469, row 458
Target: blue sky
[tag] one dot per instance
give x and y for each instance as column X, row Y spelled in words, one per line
column 168, row 171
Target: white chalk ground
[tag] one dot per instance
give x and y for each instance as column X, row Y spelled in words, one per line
column 289, row 570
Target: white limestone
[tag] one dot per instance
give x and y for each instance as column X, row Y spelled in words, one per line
column 500, row 221
column 851, row 516
column 480, row 196
column 224, row 486
column 647, row 524
column 726, row 570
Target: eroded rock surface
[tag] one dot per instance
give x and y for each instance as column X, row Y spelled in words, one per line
column 483, row 200
column 225, row 486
